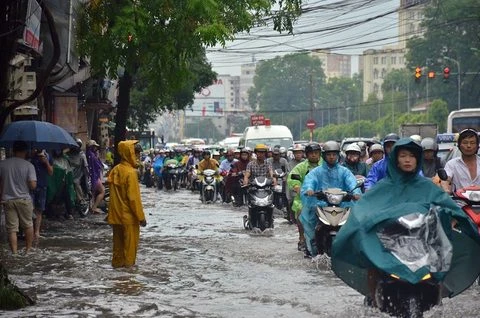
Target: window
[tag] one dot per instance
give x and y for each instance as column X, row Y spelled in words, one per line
column 375, row 74
column 384, row 73
column 393, row 60
column 384, row 60
column 375, row 60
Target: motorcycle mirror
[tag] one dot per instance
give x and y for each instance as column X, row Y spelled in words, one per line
column 442, row 174
column 196, row 166
column 295, row 177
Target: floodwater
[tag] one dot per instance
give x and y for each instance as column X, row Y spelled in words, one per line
column 194, row 260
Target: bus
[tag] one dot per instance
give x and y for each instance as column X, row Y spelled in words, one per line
column 459, row 120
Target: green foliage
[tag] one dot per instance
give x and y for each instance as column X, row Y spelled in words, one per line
column 163, row 43
column 283, row 87
column 438, row 113
column 452, row 31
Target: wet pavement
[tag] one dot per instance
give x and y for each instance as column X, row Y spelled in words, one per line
column 194, row 260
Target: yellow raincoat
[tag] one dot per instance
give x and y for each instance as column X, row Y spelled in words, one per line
column 125, row 211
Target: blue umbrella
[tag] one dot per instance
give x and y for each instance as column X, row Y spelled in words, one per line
column 37, row 134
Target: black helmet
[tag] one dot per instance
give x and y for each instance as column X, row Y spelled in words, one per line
column 138, row 147
column 313, row 146
column 331, row 146
column 205, row 153
column 79, row 142
column 429, row 144
column 391, row 137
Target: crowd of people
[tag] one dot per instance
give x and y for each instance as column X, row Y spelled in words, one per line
column 32, row 180
column 35, row 183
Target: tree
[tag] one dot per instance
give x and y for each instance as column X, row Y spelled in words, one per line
column 437, row 113
column 163, row 38
column 285, row 87
column 451, row 30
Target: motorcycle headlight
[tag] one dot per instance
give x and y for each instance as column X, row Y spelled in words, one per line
column 263, row 201
column 334, row 198
column 473, row 195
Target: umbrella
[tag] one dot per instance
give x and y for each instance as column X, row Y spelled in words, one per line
column 37, row 134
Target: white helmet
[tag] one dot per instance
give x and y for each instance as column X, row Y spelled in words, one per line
column 353, row 147
column 416, row 138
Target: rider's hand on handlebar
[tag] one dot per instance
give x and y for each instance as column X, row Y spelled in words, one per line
column 296, row 189
column 355, row 197
column 143, row 223
column 310, row 193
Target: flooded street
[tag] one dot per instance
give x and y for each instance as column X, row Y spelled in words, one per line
column 194, row 260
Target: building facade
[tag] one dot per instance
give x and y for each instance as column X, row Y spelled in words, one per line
column 333, row 64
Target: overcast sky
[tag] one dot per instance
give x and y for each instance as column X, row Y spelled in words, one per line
column 343, row 26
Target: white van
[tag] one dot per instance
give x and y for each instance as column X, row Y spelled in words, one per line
column 271, row 135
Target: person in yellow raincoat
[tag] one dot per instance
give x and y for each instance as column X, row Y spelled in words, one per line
column 125, row 210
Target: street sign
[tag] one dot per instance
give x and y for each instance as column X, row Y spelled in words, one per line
column 311, row 124
column 257, row 120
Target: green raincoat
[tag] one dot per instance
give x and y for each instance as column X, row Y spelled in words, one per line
column 357, row 247
column 301, row 170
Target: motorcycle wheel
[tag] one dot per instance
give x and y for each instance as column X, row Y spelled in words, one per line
column 175, row 184
column 262, row 222
column 83, row 209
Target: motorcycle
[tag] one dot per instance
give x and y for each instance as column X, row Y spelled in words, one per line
column 209, row 186
column 332, row 217
column 279, row 195
column 468, row 199
column 260, row 204
column 417, row 240
column 172, row 176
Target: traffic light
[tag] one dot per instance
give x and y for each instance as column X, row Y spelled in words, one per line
column 431, row 74
column 418, row 73
column 446, row 73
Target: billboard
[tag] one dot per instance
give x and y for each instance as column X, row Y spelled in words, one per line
column 210, row 102
column 31, row 32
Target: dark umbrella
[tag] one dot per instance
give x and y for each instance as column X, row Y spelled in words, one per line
column 37, row 134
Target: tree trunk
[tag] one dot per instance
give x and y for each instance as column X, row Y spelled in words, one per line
column 124, row 86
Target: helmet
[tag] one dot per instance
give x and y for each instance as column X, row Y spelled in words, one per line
column 469, row 132
column 416, row 138
column 283, row 150
column 206, row 153
column 392, row 137
column 353, row 147
column 376, row 147
column 429, row 144
column 138, row 147
column 276, row 150
column 261, row 147
column 331, row 146
column 362, row 145
column 245, row 150
column 79, row 142
column 312, row 147
column 298, row 147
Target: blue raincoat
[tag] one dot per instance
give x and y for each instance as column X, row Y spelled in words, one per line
column 321, row 178
column 357, row 247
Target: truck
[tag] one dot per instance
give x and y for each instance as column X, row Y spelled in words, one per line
column 270, row 135
column 421, row 129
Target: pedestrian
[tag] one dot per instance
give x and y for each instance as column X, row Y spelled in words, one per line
column 125, row 211
column 95, row 166
column 43, row 168
column 17, row 179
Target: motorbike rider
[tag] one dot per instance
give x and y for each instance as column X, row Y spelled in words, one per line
column 363, row 151
column 225, row 167
column 403, row 185
column 208, row 163
column 313, row 152
column 170, row 159
column 236, row 154
column 376, row 153
column 330, row 174
column 277, row 161
column 431, row 162
column 352, row 160
column 191, row 164
column 157, row 168
column 236, row 174
column 379, row 169
column 464, row 171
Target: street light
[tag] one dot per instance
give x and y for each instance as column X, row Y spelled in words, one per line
column 458, row 80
